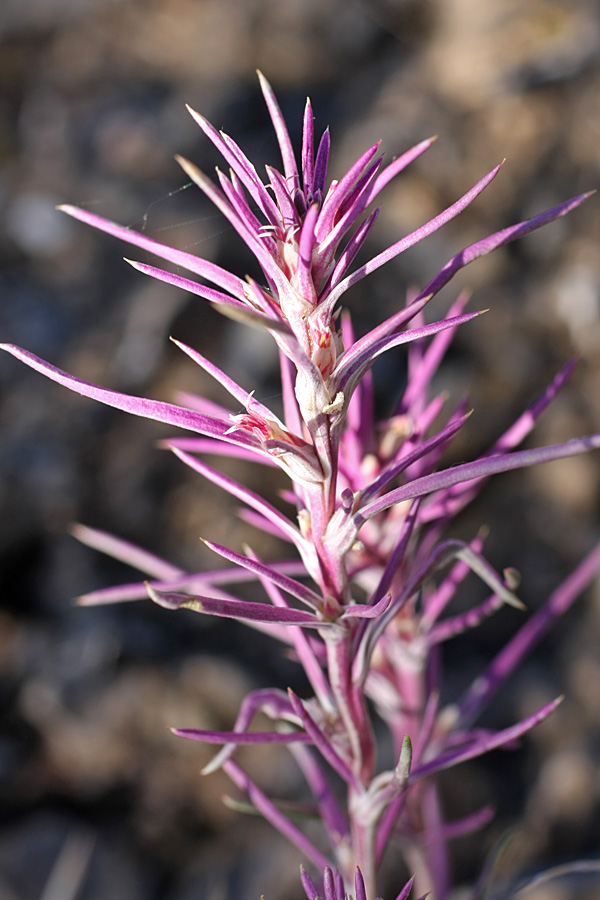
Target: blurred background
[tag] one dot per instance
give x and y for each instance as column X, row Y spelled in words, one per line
column 97, row 798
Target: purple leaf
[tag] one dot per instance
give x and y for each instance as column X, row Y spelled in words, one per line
column 498, row 239
column 321, row 163
column 283, row 137
column 289, row 585
column 138, row 406
column 234, row 609
column 273, row 815
column 250, row 237
column 359, row 358
column 307, row 883
column 330, row 810
column 126, row 552
column 485, row 744
column 186, row 284
column 404, row 893
column 413, row 238
column 323, row 744
column 449, row 628
column 336, row 195
column 528, row 636
column 399, row 164
column 308, row 150
column 395, row 468
column 217, row 448
column 477, row 469
column 188, row 261
column 273, row 515
column 240, row 165
column 363, row 611
column 242, row 737
column 272, row 702
column 359, row 886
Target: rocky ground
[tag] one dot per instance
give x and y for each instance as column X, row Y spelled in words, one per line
column 93, row 787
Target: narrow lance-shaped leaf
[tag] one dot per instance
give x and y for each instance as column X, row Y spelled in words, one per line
column 289, row 585
column 237, row 392
column 364, row 611
column 360, row 890
column 397, row 554
column 218, row 448
column 405, row 892
column 240, row 164
column 308, row 149
column 283, row 137
column 273, row 815
column 484, row 744
column 127, row 552
column 353, row 365
column 436, row 602
column 245, row 495
column 250, row 237
column 477, row 469
column 420, row 378
column 321, row 163
column 306, row 245
column 303, row 647
column 396, row 468
column 188, row 261
column 528, row 637
column 466, row 256
column 336, row 197
column 322, row 742
column 270, row 701
column 440, row 556
column 449, row 502
column 332, row 815
column 235, row 609
column 138, row 406
column 399, row 164
column 498, row 239
column 233, row 190
column 242, row 737
column 449, row 628
column 194, row 582
column 411, row 239
column 350, row 251
column 349, row 212
column 288, row 213
column 186, row 284
column 449, row 831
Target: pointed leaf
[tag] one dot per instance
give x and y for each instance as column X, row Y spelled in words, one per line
column 138, row 406
column 289, row 585
column 242, row 737
column 188, row 261
column 477, row 469
column 485, row 744
column 273, row 815
column 234, row 609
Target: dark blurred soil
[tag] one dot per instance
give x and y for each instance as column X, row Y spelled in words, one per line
column 97, row 799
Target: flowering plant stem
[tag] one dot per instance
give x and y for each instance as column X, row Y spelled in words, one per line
column 364, row 600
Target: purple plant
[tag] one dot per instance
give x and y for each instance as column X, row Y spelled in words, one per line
column 363, row 599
